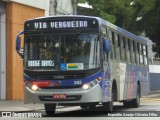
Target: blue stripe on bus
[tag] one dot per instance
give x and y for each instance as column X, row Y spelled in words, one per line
column 70, row 82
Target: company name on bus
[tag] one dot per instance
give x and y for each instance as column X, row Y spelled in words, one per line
column 64, row 24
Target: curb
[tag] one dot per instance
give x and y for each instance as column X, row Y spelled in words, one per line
column 29, row 110
column 151, row 96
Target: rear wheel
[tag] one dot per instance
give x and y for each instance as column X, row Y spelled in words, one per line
column 50, row 109
column 136, row 101
column 127, row 104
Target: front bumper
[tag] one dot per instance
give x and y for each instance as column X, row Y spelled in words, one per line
column 75, row 96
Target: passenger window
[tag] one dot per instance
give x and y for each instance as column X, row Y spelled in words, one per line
column 145, row 55
column 141, row 54
column 112, row 47
column 113, row 38
column 117, row 47
column 112, row 52
column 125, row 51
column 119, row 41
column 124, row 42
column 132, row 52
column 138, row 48
column 104, row 32
column 129, row 45
column 134, row 46
column 109, row 34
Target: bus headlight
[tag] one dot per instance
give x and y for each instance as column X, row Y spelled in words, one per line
column 85, row 87
column 34, row 87
column 91, row 84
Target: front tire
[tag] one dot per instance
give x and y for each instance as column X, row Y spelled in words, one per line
column 50, row 109
column 108, row 106
column 83, row 106
column 89, row 105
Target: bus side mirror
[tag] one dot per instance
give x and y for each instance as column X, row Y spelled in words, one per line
column 106, row 44
column 18, row 45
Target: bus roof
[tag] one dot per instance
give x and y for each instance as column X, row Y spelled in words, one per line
column 102, row 21
column 121, row 30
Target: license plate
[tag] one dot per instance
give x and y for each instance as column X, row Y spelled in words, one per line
column 59, row 96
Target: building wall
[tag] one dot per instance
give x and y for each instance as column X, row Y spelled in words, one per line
column 154, row 71
column 41, row 4
column 2, row 50
column 18, row 11
column 154, row 81
column 17, row 14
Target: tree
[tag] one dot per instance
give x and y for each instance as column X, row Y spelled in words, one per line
column 151, row 24
column 124, row 14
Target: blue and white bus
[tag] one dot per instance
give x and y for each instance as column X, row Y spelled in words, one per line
column 84, row 61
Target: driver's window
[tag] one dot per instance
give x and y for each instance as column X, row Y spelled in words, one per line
column 105, row 55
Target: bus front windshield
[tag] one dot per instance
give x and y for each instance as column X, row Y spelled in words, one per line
column 62, row 52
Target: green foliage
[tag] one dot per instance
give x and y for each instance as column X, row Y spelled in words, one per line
column 124, row 15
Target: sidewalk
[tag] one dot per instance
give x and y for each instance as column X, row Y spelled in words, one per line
column 19, row 106
column 153, row 94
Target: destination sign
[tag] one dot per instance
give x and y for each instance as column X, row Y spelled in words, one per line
column 71, row 23
column 40, row 63
column 64, row 24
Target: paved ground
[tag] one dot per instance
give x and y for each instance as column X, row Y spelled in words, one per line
column 20, row 106
column 153, row 94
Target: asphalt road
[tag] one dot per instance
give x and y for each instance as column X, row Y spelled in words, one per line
column 149, row 109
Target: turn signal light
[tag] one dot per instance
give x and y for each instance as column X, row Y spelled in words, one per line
column 99, row 78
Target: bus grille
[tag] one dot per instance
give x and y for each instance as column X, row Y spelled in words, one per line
column 58, row 77
column 68, row 98
column 55, row 76
column 62, row 87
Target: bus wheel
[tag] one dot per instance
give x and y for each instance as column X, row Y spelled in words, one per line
column 108, row 106
column 92, row 106
column 127, row 104
column 83, row 106
column 50, row 109
column 136, row 101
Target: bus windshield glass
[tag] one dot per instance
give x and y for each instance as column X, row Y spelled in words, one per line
column 62, row 52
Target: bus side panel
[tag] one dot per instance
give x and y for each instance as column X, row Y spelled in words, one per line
column 145, row 81
column 115, row 75
column 122, row 70
column 106, row 84
column 127, row 77
column 134, row 74
column 132, row 77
